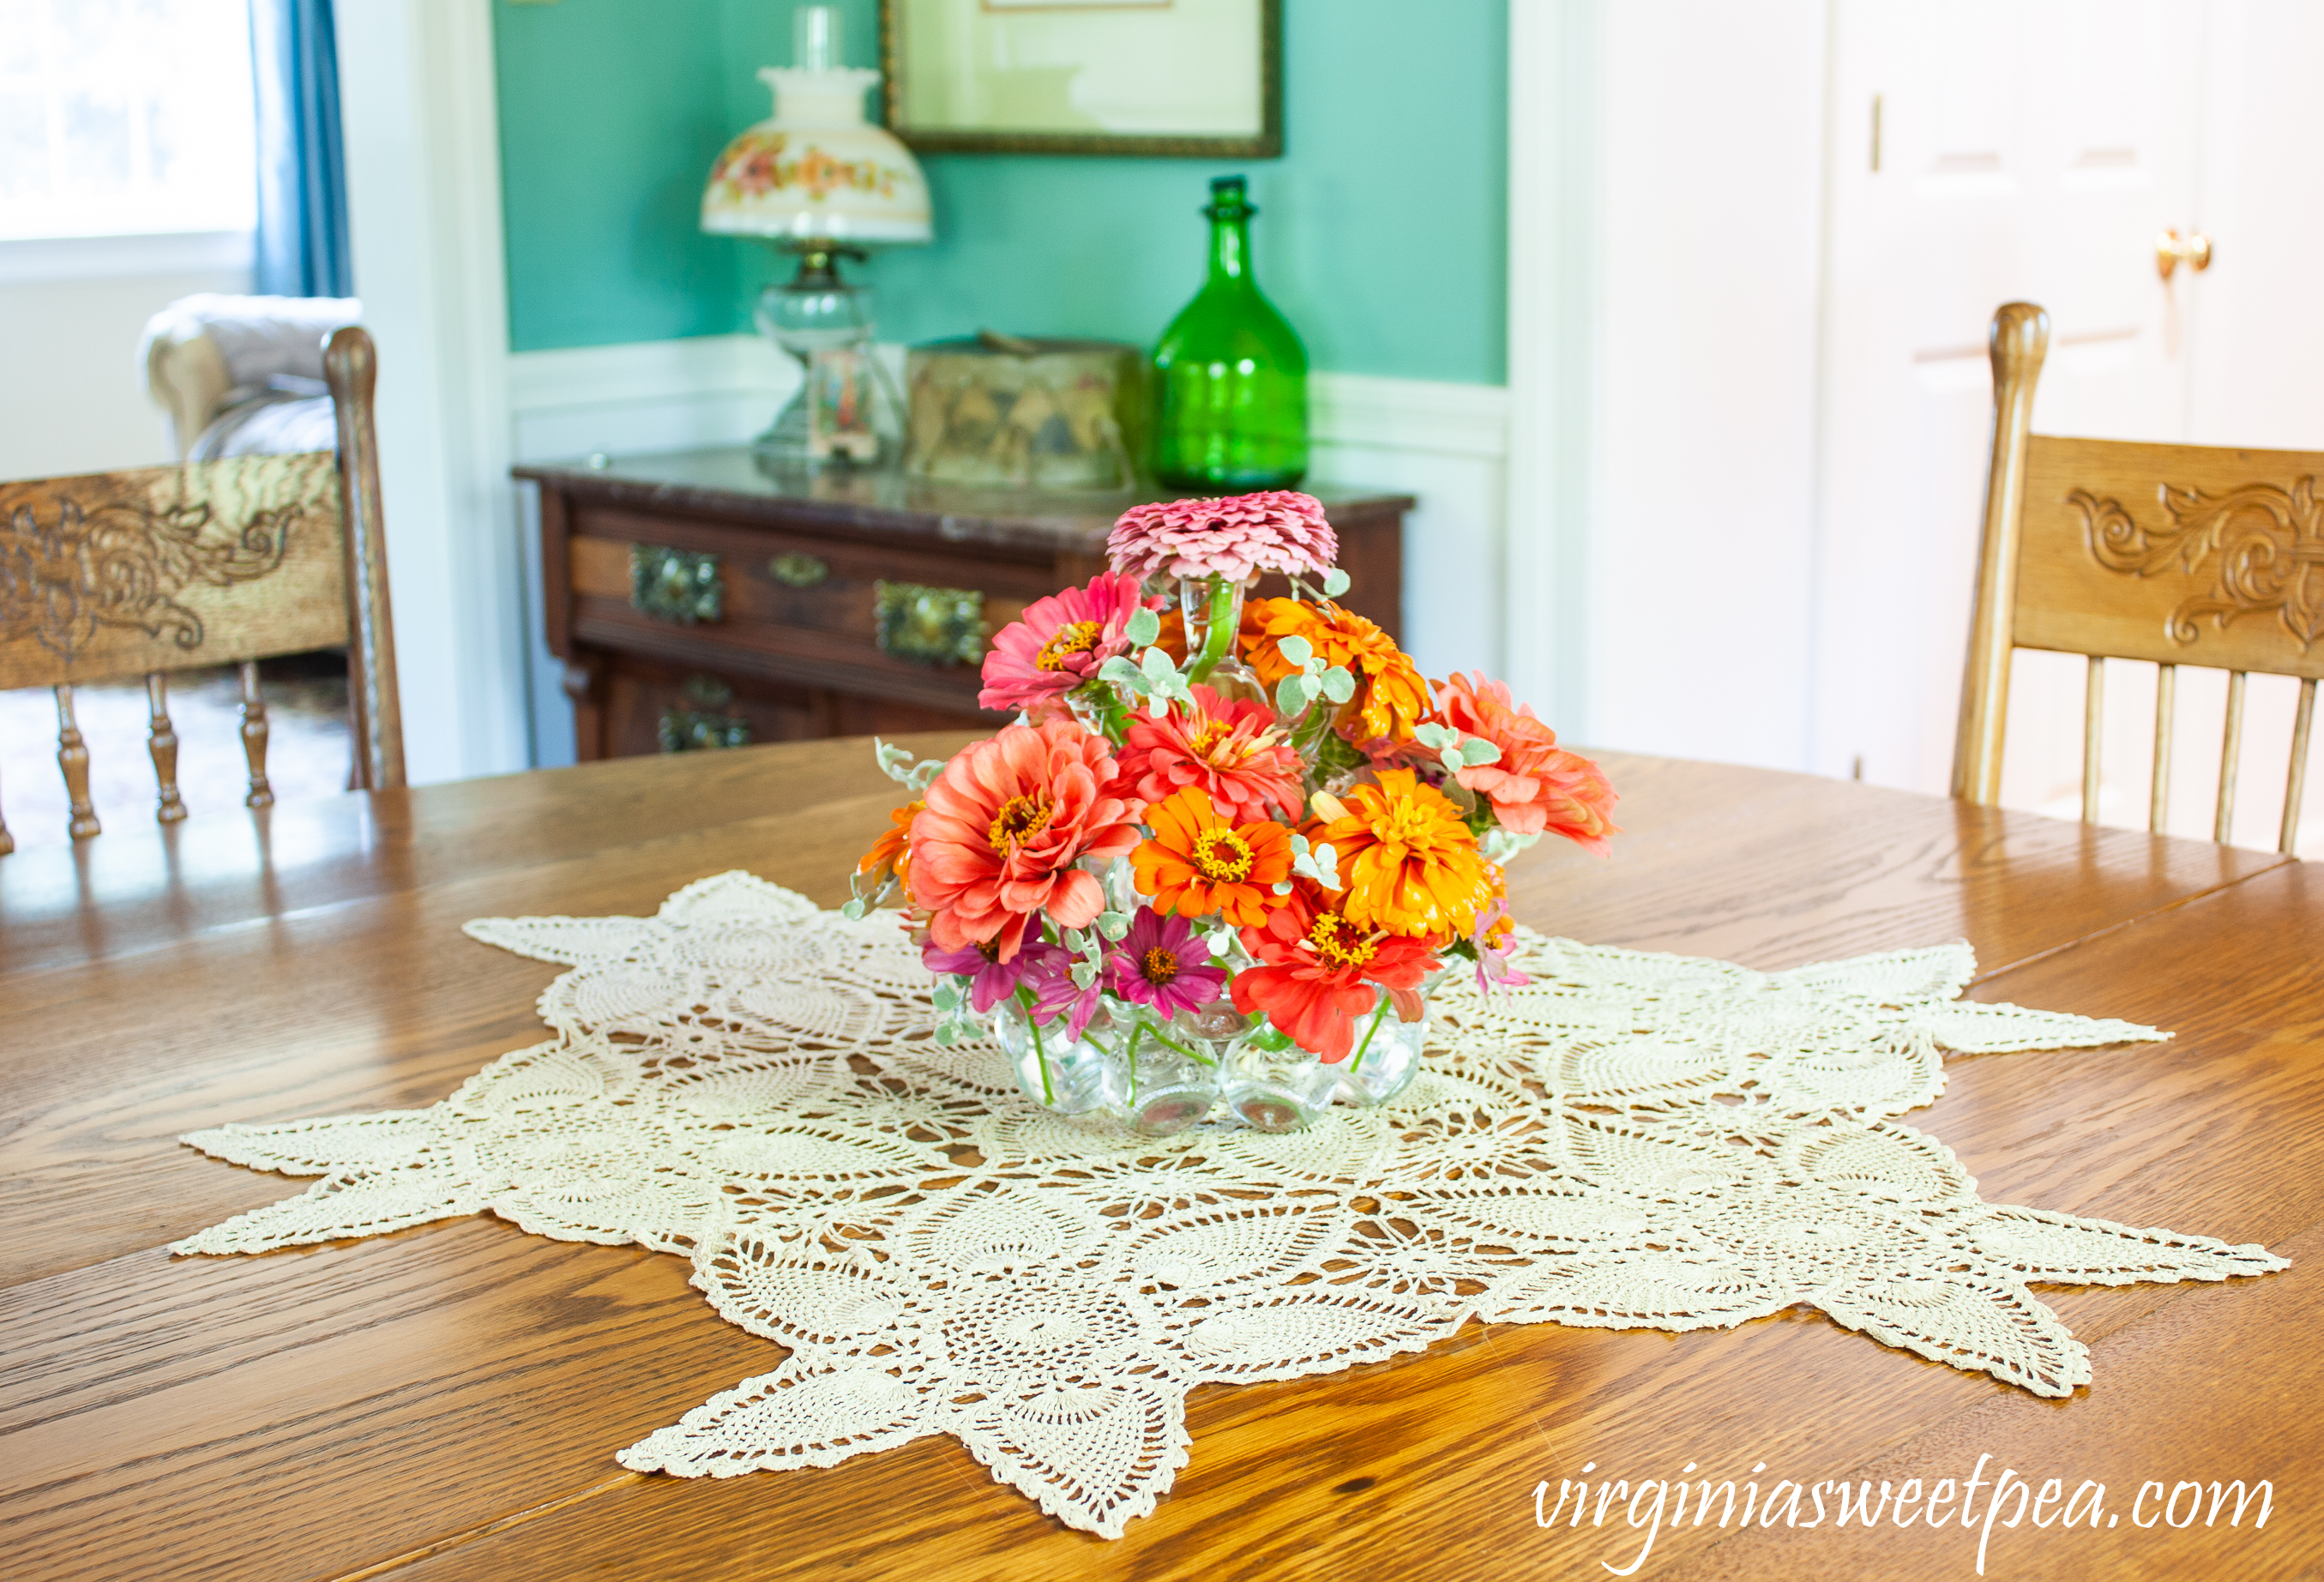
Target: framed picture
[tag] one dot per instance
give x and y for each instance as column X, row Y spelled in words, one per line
column 1197, row 77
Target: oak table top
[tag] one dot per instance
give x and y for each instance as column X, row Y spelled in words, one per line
column 445, row 1403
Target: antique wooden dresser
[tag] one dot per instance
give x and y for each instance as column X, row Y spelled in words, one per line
column 698, row 601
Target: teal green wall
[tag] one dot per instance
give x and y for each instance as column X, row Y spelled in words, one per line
column 1382, row 232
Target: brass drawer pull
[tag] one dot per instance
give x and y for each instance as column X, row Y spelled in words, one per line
column 705, row 725
column 798, row 570
column 680, row 585
column 930, row 626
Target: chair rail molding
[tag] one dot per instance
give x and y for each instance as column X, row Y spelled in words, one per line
column 419, row 106
column 1445, row 443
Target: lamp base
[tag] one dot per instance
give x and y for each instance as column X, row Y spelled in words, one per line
column 847, row 412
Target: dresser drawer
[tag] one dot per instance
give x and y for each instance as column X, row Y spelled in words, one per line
column 908, row 621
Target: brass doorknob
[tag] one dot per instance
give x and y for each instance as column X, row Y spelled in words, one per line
column 2171, row 249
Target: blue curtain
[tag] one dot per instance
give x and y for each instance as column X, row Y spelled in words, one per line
column 303, row 183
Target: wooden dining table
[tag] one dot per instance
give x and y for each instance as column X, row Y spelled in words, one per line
column 446, row 1401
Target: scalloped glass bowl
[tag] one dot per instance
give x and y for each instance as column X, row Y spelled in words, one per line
column 1155, row 1077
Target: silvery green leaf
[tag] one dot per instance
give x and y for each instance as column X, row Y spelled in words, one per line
column 1085, row 973
column 1113, row 925
column 1293, row 694
column 1297, row 649
column 1283, row 887
column 1122, row 674
column 1157, row 665
column 946, row 995
column 852, row 911
column 1432, row 734
column 1452, row 761
column 947, row 1033
column 1299, row 845
column 1144, row 627
column 1338, row 685
column 1335, row 582
column 1477, row 750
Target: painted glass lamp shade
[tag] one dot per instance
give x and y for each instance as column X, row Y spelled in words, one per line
column 816, row 170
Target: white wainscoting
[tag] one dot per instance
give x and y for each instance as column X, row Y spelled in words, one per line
column 1445, row 444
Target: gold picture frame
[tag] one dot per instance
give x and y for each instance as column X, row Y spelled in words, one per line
column 1084, row 75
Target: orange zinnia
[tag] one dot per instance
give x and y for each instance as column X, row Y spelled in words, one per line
column 890, row 857
column 1390, row 696
column 1410, row 865
column 1198, row 862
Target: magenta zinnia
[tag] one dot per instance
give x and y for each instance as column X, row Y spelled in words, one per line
column 1277, row 530
column 1160, row 963
column 1058, row 645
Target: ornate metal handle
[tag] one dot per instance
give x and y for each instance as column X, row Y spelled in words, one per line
column 681, row 586
column 2171, row 251
column 705, row 725
column 797, row 569
column 929, row 625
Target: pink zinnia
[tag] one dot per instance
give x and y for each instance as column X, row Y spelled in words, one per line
column 1535, row 787
column 1277, row 530
column 1160, row 963
column 1058, row 644
column 1231, row 750
column 1005, row 824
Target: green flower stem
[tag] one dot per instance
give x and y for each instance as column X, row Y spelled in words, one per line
column 1218, row 642
column 1162, row 1038
column 1041, row 1051
column 1366, row 1044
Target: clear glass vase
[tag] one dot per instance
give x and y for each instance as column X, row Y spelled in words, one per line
column 1212, row 608
column 1158, row 1076
column 1152, row 1074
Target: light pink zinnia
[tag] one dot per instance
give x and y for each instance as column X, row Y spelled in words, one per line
column 1275, row 531
column 1058, row 645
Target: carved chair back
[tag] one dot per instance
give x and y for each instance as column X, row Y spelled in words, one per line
column 2171, row 554
column 162, row 569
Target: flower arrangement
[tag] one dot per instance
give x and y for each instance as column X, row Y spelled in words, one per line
column 1231, row 844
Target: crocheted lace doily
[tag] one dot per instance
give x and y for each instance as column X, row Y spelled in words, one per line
column 1635, row 1141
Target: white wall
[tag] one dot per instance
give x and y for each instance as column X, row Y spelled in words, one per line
column 1666, row 245
column 71, row 313
column 417, row 102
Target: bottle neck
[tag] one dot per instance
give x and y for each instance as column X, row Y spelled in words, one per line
column 1229, row 246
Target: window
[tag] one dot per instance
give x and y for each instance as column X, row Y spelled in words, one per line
column 119, row 117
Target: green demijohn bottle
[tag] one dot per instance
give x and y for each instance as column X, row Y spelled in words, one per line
column 1230, row 374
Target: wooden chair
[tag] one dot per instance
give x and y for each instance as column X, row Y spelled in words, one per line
column 162, row 569
column 2175, row 554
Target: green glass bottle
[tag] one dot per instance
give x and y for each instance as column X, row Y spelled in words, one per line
column 1230, row 374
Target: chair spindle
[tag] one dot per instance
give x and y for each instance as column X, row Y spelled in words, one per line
column 72, row 758
column 2295, row 784
column 2158, row 804
column 253, row 737
column 2093, row 697
column 2230, row 748
column 162, row 742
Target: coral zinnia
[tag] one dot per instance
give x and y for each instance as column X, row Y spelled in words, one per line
column 1058, row 644
column 1318, row 970
column 1160, row 963
column 1410, row 865
column 1228, row 749
column 1536, row 784
column 1004, row 824
column 1390, row 697
column 1199, row 862
column 890, row 861
column 1277, row 530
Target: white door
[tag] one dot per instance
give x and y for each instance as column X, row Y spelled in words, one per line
column 1981, row 153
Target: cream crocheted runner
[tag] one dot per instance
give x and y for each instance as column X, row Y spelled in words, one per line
column 1636, row 1141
